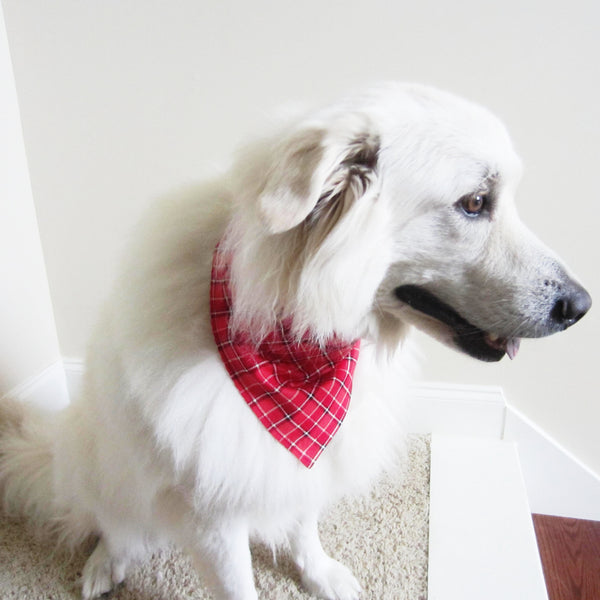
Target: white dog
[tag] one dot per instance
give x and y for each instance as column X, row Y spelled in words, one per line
column 216, row 403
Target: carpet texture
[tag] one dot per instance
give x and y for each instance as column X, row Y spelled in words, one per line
column 382, row 538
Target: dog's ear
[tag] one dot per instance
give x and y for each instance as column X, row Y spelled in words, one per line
column 316, row 168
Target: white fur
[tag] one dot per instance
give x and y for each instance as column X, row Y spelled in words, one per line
column 324, row 220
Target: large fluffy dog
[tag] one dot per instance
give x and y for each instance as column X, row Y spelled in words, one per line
column 393, row 208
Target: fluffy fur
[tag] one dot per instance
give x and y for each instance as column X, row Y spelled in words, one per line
column 326, row 221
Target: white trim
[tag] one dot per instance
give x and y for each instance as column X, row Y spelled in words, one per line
column 74, row 369
column 450, row 409
column 48, row 389
column 557, row 482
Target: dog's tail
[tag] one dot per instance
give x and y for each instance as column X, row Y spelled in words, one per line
column 27, row 457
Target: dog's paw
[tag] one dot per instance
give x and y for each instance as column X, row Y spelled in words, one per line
column 331, row 580
column 101, row 573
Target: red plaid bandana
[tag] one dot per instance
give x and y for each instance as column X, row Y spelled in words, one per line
column 299, row 391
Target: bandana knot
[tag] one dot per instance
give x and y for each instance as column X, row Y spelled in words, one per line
column 299, row 390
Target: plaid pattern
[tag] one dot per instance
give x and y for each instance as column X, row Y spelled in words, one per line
column 299, row 391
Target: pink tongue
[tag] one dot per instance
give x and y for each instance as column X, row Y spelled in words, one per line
column 512, row 347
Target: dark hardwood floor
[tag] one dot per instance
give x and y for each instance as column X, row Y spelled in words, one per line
column 570, row 552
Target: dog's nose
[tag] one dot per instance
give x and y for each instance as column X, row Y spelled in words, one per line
column 571, row 306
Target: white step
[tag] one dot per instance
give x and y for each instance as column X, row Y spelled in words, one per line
column 482, row 543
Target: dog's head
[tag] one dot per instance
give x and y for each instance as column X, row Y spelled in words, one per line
column 394, row 209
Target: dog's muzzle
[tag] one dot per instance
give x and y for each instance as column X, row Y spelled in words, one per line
column 572, row 304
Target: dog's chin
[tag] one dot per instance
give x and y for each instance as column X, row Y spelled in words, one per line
column 443, row 322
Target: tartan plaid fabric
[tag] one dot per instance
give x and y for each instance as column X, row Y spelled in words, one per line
column 299, row 391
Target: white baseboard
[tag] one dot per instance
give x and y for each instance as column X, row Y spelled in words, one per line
column 47, row 389
column 450, row 409
column 557, row 483
column 74, row 369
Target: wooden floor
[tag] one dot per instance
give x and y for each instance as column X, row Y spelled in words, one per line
column 570, row 552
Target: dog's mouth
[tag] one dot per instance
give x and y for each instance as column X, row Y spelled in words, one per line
column 475, row 342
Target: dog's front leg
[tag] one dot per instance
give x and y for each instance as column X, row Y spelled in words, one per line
column 222, row 555
column 321, row 575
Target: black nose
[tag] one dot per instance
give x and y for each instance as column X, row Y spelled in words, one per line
column 570, row 307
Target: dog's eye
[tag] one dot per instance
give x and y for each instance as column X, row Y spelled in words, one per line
column 473, row 204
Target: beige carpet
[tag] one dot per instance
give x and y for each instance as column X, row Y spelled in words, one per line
column 382, row 538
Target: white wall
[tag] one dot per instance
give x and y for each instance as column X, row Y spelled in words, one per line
column 122, row 100
column 28, row 341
